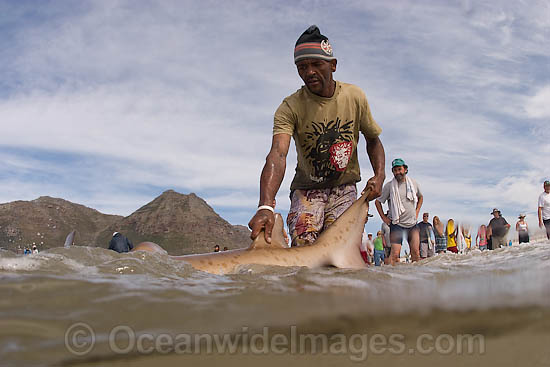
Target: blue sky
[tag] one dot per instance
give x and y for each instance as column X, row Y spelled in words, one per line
column 109, row 103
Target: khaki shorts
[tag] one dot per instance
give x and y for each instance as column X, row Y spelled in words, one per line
column 312, row 211
column 426, row 250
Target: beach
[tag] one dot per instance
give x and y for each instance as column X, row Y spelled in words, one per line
column 85, row 306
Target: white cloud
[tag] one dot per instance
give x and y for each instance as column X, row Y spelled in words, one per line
column 538, row 106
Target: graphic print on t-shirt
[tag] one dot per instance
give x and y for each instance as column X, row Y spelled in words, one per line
column 328, row 147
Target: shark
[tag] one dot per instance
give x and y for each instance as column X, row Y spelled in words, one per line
column 337, row 246
column 69, row 241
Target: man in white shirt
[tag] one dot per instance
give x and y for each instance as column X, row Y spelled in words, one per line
column 404, row 201
column 544, row 208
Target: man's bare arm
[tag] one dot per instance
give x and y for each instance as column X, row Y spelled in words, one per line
column 380, row 210
column 270, row 181
column 377, row 157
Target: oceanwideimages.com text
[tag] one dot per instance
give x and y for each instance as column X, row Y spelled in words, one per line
column 80, row 339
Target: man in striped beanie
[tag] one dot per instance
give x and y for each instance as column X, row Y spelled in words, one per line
column 312, row 48
column 325, row 118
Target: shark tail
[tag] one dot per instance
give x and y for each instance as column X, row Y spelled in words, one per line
column 343, row 237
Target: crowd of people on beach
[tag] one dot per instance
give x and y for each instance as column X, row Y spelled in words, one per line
column 450, row 237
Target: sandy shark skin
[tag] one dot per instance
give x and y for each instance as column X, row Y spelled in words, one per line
column 338, row 246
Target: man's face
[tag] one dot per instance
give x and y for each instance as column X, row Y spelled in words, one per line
column 496, row 214
column 547, row 188
column 425, row 217
column 399, row 173
column 317, row 75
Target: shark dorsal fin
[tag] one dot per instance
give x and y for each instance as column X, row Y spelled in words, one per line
column 277, row 237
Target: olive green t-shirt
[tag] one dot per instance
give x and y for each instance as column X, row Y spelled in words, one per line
column 326, row 132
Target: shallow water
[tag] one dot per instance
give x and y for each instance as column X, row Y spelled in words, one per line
column 91, row 306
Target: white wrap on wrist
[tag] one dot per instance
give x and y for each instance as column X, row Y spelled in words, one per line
column 266, row 207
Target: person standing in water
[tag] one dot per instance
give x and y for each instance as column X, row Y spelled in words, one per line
column 481, row 237
column 325, row 118
column 404, row 201
column 366, row 242
column 378, row 249
column 544, row 208
column 385, row 229
column 523, row 229
column 440, row 237
column 427, row 238
column 452, row 233
column 467, row 238
column 498, row 230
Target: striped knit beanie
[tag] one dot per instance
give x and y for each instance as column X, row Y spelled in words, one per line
column 313, row 45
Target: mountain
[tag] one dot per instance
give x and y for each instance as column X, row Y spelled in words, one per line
column 46, row 221
column 181, row 224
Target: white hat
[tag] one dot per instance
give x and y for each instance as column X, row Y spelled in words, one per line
column 115, row 233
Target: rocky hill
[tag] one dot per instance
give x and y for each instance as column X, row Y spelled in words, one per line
column 46, row 221
column 182, row 224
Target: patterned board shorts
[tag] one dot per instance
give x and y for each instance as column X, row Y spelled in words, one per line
column 440, row 244
column 312, row 211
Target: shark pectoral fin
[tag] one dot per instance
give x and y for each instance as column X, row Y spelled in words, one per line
column 277, row 236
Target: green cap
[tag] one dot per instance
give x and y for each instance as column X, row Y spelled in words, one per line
column 397, row 162
column 546, row 182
